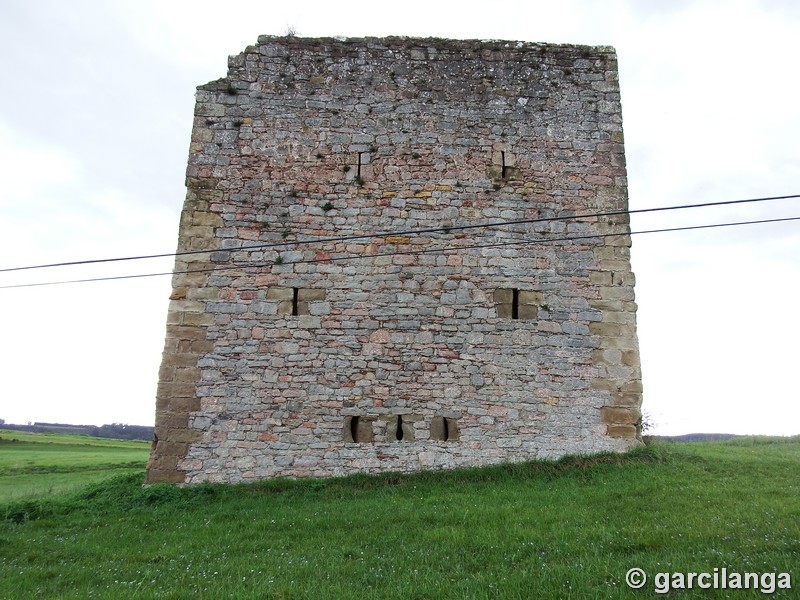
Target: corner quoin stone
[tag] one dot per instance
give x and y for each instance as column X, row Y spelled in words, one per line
column 404, row 351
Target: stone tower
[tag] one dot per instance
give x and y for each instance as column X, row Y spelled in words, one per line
column 400, row 254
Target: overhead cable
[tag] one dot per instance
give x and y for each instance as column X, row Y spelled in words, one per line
column 396, row 253
column 442, row 229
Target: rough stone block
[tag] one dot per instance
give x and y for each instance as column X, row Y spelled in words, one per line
column 622, row 431
column 504, row 311
column 280, row 293
column 620, row 415
column 165, row 475
column 310, row 295
column 503, row 296
column 530, row 298
column 528, row 311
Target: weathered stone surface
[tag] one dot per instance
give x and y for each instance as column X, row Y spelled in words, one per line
column 405, row 350
column 279, row 293
column 527, row 311
column 620, row 415
column 503, row 295
column 306, row 295
column 531, row 298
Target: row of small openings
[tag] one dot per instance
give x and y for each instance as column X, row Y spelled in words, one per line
column 503, row 165
column 511, row 303
column 359, row 429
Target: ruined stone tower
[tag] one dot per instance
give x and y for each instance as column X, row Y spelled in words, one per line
column 397, row 254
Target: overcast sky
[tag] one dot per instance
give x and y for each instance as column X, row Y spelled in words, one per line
column 95, row 118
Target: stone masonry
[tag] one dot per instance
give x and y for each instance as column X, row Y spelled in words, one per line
column 338, row 305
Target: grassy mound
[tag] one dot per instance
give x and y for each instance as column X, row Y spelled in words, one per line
column 565, row 529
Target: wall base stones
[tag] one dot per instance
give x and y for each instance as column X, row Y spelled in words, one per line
column 404, row 262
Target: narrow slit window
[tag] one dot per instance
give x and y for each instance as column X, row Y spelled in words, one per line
column 295, row 303
column 398, row 434
column 357, row 429
column 504, row 164
column 444, row 429
column 515, row 303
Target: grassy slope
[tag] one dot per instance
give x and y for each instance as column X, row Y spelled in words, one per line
column 565, row 530
column 38, row 464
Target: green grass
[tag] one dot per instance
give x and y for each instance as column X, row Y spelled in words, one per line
column 41, row 464
column 569, row 529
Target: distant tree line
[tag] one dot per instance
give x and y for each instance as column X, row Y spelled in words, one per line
column 117, row 431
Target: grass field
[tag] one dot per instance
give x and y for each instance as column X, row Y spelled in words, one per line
column 41, row 464
column 570, row 529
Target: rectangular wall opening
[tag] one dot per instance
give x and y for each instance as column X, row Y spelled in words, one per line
column 444, row 429
column 357, row 429
column 515, row 303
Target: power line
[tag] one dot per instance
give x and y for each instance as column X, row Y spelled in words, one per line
column 418, row 251
column 443, row 229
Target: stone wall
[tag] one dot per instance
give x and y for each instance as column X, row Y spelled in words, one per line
column 291, row 351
